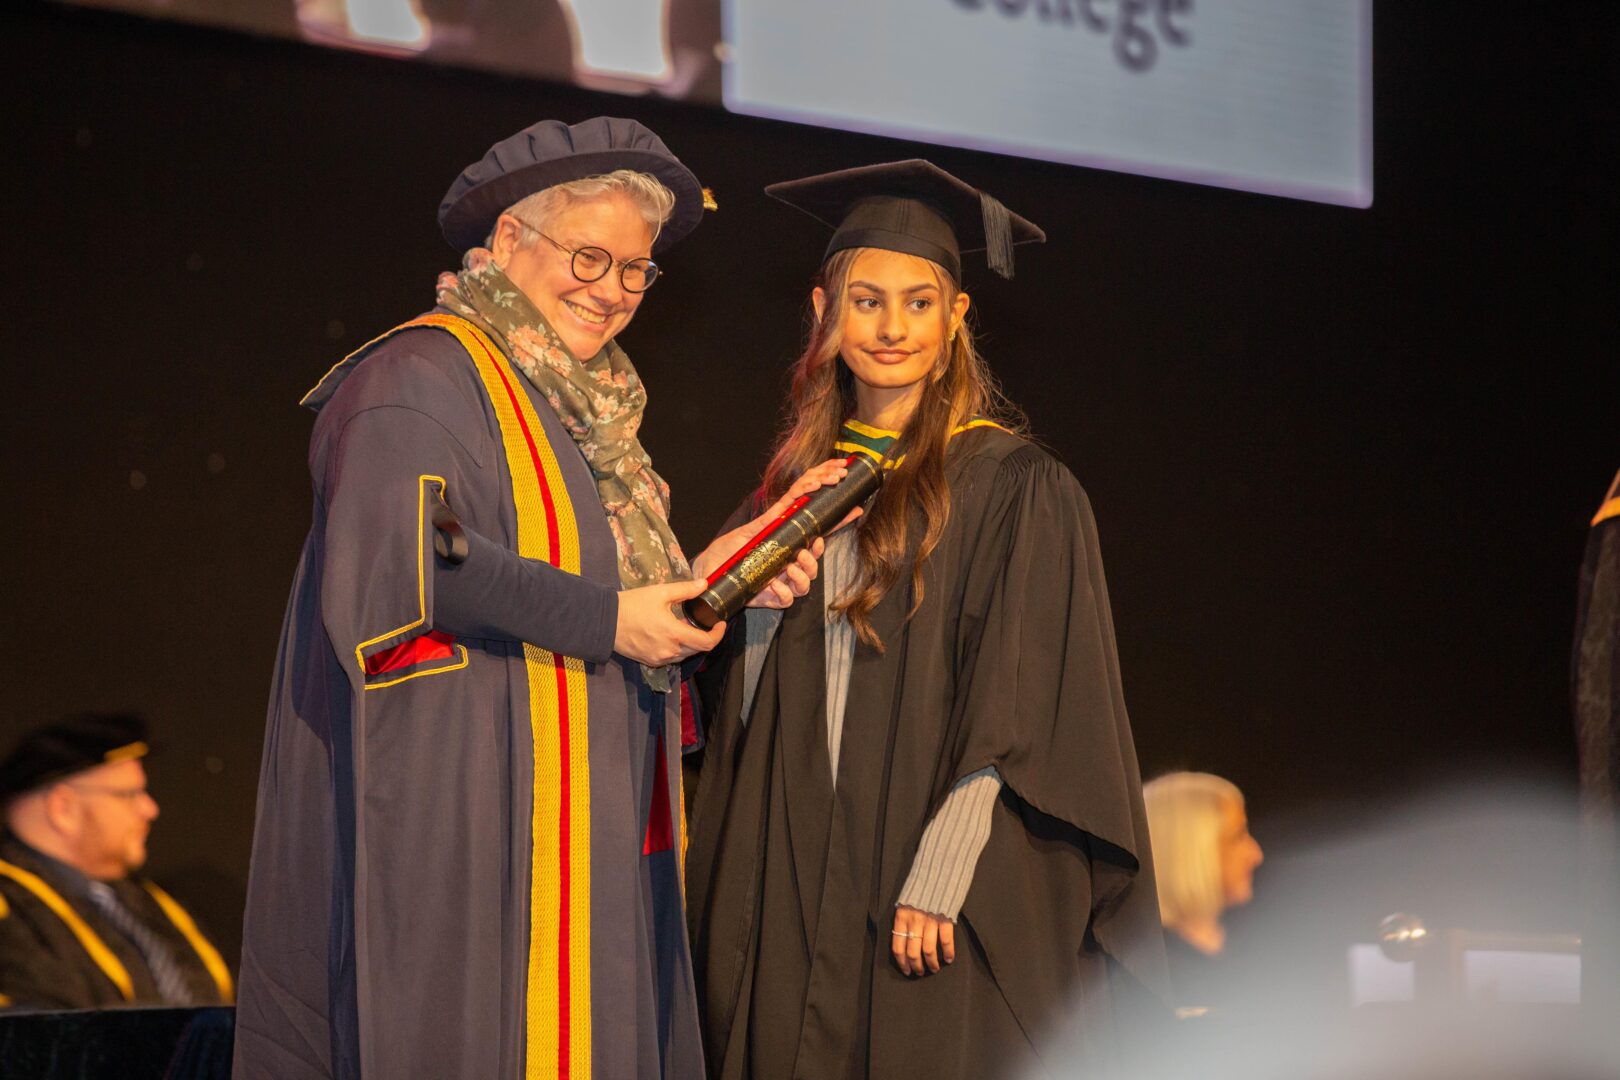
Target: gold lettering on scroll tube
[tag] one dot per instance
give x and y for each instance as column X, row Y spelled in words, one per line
column 762, row 564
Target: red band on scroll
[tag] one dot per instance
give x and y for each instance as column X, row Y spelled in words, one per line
column 759, row 537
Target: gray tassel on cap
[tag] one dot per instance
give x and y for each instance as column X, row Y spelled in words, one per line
column 998, row 243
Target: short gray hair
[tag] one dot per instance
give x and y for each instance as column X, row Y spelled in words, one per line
column 646, row 192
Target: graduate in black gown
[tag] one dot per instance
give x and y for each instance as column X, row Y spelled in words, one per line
column 918, row 844
column 1595, row 686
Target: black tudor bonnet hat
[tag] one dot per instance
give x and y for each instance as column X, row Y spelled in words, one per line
column 68, row 746
column 552, row 152
column 914, row 207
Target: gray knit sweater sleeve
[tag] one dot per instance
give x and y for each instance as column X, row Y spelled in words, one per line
column 759, row 627
column 942, row 869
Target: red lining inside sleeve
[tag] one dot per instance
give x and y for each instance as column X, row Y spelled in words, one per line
column 433, row 645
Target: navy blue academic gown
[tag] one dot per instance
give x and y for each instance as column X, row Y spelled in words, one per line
column 458, row 866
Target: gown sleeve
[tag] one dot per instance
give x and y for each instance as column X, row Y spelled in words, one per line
column 1039, row 698
column 1038, row 694
column 942, row 869
column 395, row 442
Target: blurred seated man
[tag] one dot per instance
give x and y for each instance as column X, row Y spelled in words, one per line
column 1204, row 861
column 79, row 927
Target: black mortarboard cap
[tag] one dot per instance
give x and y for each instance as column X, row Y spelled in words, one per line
column 914, row 207
column 551, row 152
column 68, row 746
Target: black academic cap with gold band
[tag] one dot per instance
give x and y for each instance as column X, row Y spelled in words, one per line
column 914, row 207
column 58, row 750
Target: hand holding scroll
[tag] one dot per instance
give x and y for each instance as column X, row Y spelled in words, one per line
column 795, row 579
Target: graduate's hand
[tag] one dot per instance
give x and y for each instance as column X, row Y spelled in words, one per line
column 649, row 632
column 921, row 942
column 795, row 579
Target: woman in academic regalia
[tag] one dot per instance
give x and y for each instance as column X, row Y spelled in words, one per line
column 918, row 844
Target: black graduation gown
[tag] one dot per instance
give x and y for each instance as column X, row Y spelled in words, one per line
column 1197, row 979
column 1595, row 684
column 57, row 951
column 792, row 884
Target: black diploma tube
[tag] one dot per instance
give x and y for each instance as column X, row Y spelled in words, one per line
column 742, row 576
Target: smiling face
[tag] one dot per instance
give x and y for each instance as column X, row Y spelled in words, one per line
column 586, row 315
column 896, row 322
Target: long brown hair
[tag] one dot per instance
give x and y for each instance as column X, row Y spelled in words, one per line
column 822, row 396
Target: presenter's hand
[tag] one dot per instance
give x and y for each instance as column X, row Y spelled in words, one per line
column 649, row 632
column 921, row 942
column 795, row 579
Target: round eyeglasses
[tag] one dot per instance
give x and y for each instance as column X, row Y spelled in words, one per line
column 593, row 263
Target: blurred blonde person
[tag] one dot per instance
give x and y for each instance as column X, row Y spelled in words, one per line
column 1204, row 860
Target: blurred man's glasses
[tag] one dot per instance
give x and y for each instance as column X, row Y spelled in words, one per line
column 593, row 263
column 128, row 794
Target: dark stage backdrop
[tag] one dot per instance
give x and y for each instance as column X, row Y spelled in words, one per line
column 1342, row 460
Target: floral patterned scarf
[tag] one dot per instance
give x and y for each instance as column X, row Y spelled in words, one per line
column 599, row 401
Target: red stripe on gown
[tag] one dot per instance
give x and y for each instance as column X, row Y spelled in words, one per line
column 433, row 645
column 564, row 745
column 660, row 830
column 689, row 732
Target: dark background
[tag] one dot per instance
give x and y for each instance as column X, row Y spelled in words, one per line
column 1342, row 460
